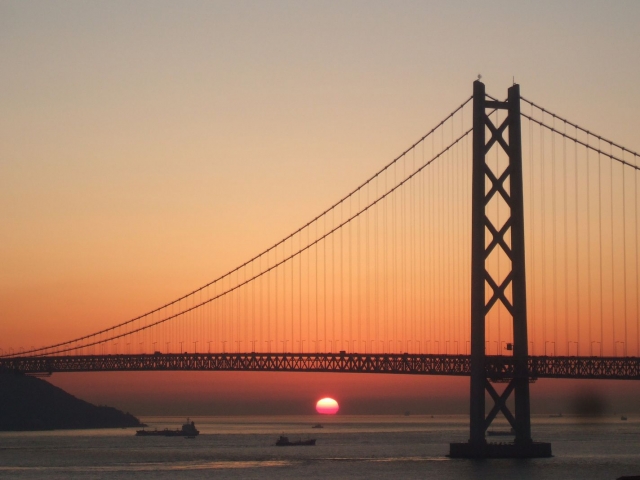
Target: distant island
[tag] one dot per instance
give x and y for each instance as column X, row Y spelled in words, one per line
column 28, row 403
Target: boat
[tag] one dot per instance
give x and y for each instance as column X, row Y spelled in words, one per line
column 318, row 425
column 623, row 417
column 555, row 415
column 188, row 430
column 285, row 442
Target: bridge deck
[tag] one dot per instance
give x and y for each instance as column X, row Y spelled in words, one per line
column 497, row 367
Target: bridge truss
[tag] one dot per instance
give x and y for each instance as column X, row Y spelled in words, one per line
column 385, row 270
column 497, row 368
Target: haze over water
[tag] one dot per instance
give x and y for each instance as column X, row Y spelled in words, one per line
column 369, row 447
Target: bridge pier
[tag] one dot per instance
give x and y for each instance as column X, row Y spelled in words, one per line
column 500, row 450
column 507, row 239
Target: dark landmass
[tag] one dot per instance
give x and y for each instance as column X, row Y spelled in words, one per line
column 28, row 403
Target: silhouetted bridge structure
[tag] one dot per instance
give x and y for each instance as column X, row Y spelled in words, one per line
column 497, row 367
column 422, row 261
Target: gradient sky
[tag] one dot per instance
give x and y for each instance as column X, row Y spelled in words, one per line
column 148, row 147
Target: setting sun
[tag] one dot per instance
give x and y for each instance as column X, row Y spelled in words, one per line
column 327, row 406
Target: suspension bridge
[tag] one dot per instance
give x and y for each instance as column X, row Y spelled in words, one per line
column 422, row 269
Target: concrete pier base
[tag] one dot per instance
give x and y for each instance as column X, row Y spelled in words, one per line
column 500, row 450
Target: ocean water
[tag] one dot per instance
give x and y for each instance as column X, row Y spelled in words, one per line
column 359, row 447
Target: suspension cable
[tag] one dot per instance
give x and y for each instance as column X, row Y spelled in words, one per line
column 585, row 144
column 264, row 252
column 275, row 265
column 578, row 127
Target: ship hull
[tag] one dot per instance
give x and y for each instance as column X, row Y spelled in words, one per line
column 164, row 433
column 298, row 443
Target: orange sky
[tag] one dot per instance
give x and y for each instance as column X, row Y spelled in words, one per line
column 147, row 149
column 233, row 393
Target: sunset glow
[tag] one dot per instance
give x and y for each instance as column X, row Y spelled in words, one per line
column 225, row 179
column 327, row 406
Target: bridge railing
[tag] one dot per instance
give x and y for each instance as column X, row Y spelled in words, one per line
column 498, row 367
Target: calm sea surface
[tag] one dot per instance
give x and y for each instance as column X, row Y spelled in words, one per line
column 368, row 447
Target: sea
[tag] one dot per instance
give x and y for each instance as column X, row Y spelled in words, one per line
column 353, row 447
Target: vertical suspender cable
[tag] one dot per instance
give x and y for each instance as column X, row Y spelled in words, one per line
column 309, row 282
column 635, row 193
column 316, row 283
column 375, row 332
column 532, row 245
column 589, row 303
column 554, row 268
column 292, row 299
column 420, row 292
column 269, row 339
column 566, row 240
column 261, row 303
column 359, row 280
column 437, row 270
column 624, row 255
column 600, row 248
column 300, row 292
column 413, row 259
column 575, row 178
column 324, row 289
column 350, row 271
column 341, row 278
column 449, row 232
column 367, row 266
column 432, row 244
column 395, row 258
column 385, row 271
column 333, row 280
column 613, row 273
column 402, row 253
column 253, row 308
column 543, row 242
column 452, row 244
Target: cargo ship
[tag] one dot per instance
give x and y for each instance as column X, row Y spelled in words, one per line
column 285, row 442
column 188, row 430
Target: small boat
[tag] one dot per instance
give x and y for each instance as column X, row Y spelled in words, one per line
column 285, row 442
column 555, row 415
column 317, row 425
column 623, row 417
column 188, row 430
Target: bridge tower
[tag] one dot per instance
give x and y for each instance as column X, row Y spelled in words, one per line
column 509, row 239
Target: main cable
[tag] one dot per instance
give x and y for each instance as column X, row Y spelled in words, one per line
column 256, row 257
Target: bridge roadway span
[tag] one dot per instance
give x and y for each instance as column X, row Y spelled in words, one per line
column 497, row 367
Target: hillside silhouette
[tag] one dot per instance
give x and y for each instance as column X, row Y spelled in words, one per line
column 29, row 403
